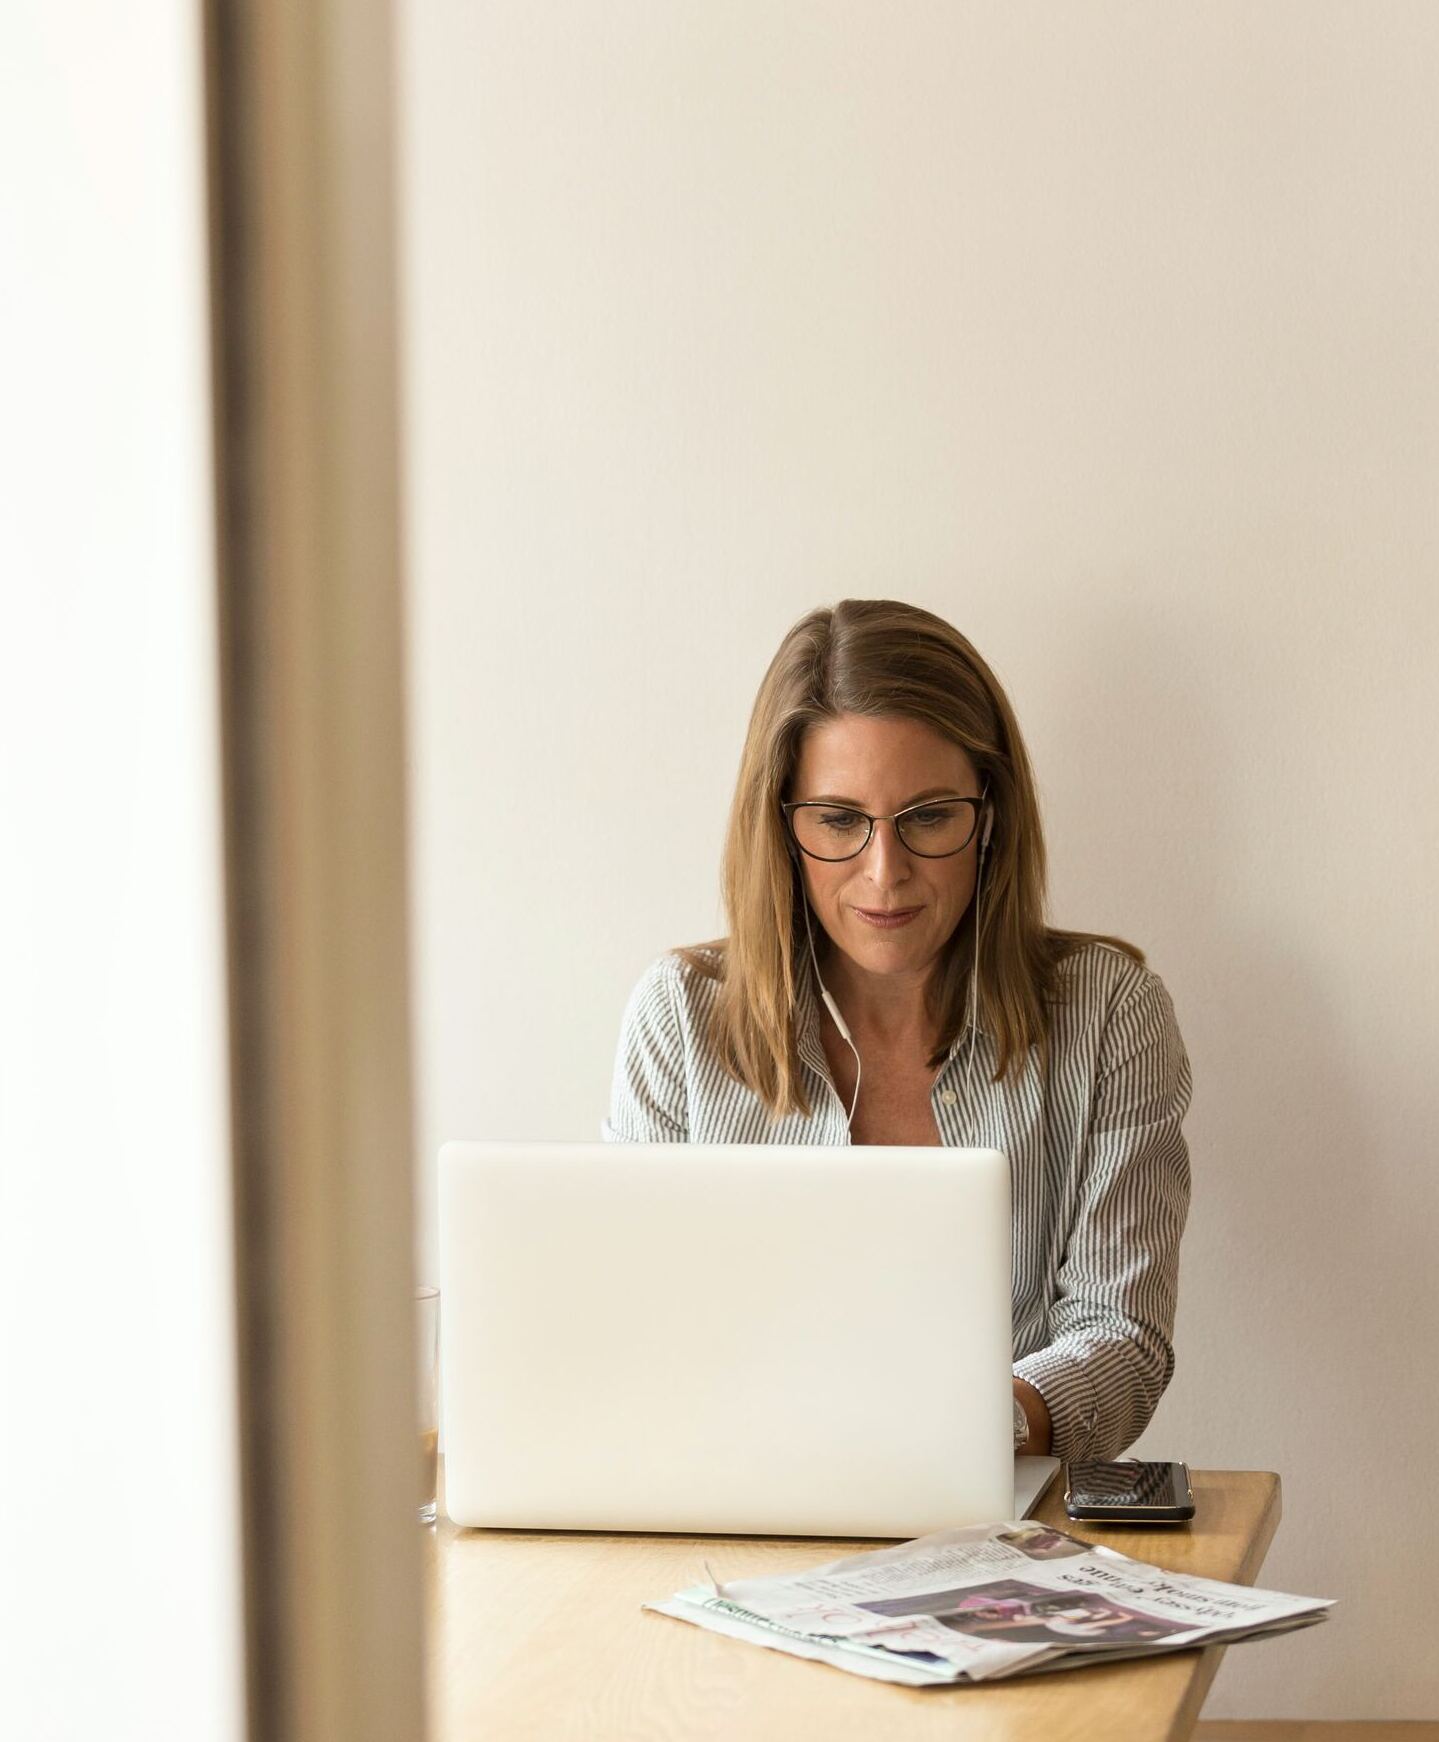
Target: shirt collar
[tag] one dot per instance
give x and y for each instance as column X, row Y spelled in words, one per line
column 811, row 1048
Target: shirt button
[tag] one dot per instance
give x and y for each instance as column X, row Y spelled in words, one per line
column 949, row 1097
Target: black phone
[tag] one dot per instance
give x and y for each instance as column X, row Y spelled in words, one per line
column 1129, row 1492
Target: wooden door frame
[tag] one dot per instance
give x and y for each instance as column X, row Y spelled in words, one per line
column 301, row 141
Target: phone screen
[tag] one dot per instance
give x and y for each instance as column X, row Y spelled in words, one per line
column 1128, row 1483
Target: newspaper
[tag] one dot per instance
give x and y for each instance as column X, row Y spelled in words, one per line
column 985, row 1602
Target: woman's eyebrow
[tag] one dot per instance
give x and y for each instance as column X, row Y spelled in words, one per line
column 919, row 798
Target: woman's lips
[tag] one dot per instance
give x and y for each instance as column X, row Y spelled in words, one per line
column 887, row 921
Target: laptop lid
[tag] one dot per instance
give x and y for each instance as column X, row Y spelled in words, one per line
column 743, row 1338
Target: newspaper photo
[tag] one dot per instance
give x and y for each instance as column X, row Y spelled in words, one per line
column 984, row 1602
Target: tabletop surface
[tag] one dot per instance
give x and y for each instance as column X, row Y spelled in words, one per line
column 541, row 1634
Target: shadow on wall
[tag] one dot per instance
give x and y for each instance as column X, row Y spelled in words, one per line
column 1302, row 1264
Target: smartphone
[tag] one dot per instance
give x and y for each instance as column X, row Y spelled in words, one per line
column 1129, row 1492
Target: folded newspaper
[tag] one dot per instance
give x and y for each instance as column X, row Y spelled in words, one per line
column 984, row 1602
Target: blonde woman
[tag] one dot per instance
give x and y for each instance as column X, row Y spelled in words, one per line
column 889, row 978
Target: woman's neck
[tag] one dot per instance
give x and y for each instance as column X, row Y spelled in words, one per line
column 890, row 1010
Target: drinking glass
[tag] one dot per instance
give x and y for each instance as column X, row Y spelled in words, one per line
column 427, row 1360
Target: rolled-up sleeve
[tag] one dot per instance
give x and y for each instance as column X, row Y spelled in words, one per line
column 648, row 1102
column 1112, row 1318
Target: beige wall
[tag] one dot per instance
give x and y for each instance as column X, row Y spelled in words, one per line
column 119, row 1517
column 1107, row 331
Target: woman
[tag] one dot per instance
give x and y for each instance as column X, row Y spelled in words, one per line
column 889, row 978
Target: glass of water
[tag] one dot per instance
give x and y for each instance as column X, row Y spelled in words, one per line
column 427, row 1364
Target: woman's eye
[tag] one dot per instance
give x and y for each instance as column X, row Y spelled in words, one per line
column 840, row 821
column 933, row 816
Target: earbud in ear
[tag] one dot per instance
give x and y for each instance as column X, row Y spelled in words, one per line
column 988, row 826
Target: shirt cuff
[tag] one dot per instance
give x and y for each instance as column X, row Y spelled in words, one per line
column 1068, row 1395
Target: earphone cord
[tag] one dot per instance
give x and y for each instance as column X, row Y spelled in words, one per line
column 833, row 1009
column 974, row 972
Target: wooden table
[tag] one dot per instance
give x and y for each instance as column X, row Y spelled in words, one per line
column 541, row 1635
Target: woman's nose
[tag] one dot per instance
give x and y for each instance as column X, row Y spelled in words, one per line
column 887, row 855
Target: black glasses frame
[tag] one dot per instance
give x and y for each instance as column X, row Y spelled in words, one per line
column 789, row 807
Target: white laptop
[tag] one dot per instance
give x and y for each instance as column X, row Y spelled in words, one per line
column 738, row 1338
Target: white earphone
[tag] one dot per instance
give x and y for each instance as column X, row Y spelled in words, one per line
column 833, row 1008
column 978, row 923
column 824, row 993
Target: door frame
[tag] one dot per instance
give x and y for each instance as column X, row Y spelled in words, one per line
column 303, row 258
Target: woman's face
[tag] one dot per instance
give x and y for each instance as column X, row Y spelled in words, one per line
column 883, row 766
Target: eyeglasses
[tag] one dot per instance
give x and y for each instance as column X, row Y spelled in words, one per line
column 932, row 830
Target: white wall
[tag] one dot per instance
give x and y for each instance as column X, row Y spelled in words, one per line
column 119, row 1559
column 1108, row 332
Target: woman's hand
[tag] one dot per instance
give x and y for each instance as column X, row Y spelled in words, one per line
column 1036, row 1413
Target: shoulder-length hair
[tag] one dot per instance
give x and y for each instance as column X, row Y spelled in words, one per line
column 882, row 658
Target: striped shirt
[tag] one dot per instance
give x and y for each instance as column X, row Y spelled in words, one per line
column 1099, row 1169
